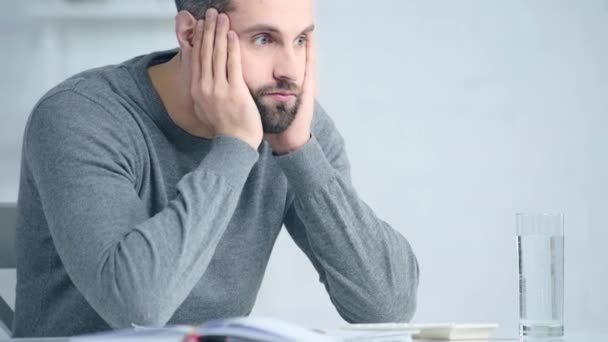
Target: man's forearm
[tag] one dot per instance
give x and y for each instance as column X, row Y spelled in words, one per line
column 369, row 268
column 130, row 267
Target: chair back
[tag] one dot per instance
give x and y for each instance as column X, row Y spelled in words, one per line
column 8, row 218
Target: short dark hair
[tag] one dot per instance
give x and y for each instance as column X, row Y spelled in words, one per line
column 198, row 7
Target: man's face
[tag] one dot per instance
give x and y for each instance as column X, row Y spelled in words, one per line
column 273, row 37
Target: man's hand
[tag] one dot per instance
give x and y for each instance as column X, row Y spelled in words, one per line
column 298, row 133
column 222, row 101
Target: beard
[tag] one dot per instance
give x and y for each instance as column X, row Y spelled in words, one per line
column 277, row 116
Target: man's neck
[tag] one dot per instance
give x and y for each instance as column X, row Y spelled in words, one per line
column 175, row 96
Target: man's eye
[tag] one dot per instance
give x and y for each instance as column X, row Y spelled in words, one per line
column 301, row 41
column 261, row 40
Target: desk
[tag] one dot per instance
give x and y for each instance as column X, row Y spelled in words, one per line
column 47, row 339
column 572, row 337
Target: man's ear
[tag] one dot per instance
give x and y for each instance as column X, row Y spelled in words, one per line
column 184, row 29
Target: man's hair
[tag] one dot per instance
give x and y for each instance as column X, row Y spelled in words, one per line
column 198, row 7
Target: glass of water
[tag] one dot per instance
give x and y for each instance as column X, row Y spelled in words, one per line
column 540, row 247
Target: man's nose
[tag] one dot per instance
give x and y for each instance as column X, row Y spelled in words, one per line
column 286, row 65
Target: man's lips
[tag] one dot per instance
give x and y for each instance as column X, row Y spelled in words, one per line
column 281, row 96
column 281, row 93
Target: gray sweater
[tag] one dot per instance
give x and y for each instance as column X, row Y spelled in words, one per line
column 124, row 218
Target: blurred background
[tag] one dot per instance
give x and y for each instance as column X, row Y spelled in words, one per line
column 456, row 114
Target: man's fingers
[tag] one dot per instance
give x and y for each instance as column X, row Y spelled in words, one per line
column 220, row 52
column 196, row 52
column 235, row 73
column 207, row 45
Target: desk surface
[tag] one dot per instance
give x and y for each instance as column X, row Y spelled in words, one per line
column 573, row 337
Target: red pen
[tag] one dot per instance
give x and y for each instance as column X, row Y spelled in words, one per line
column 192, row 336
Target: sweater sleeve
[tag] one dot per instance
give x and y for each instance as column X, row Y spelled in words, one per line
column 367, row 267
column 130, row 265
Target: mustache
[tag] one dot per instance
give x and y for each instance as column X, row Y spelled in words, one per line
column 280, row 86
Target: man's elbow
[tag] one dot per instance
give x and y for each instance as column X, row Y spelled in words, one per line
column 383, row 308
column 392, row 309
column 395, row 303
column 137, row 312
column 125, row 298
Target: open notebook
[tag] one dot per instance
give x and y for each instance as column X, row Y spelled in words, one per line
column 236, row 329
column 240, row 330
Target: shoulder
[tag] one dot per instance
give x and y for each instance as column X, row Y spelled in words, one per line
column 83, row 113
column 324, row 129
column 91, row 89
column 327, row 135
column 90, row 100
column 321, row 122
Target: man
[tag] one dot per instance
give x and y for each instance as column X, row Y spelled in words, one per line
column 152, row 192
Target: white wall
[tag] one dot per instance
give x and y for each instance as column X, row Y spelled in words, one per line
column 457, row 114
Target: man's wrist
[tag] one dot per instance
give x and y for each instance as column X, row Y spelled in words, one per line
column 306, row 169
column 281, row 148
column 230, row 157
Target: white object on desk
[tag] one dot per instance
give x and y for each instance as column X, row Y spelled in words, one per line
column 455, row 331
column 435, row 331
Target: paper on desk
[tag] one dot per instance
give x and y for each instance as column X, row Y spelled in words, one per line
column 434, row 331
column 263, row 329
column 370, row 336
column 234, row 329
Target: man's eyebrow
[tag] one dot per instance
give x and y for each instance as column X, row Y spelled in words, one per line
column 270, row 28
